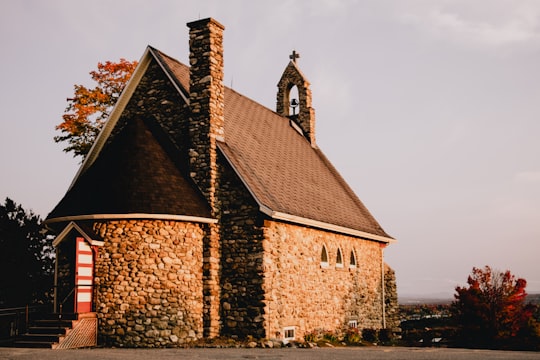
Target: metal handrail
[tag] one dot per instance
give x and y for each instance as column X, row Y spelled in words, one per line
column 61, row 305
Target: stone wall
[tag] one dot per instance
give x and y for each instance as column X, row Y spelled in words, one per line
column 391, row 298
column 241, row 235
column 211, row 281
column 148, row 277
column 302, row 293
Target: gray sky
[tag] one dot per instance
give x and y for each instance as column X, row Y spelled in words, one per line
column 429, row 109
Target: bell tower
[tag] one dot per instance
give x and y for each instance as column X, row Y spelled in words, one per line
column 298, row 110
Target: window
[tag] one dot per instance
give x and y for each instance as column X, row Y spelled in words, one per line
column 353, row 324
column 339, row 259
column 352, row 264
column 288, row 334
column 324, row 257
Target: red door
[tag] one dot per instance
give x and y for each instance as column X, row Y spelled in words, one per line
column 84, row 275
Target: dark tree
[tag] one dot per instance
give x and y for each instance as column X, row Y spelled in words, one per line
column 26, row 258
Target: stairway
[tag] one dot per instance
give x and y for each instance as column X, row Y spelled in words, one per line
column 60, row 332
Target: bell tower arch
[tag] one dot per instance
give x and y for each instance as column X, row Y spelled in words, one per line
column 298, row 110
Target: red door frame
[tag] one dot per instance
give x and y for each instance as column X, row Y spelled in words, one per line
column 84, row 276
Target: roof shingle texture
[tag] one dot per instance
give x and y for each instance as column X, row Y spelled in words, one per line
column 133, row 174
column 279, row 166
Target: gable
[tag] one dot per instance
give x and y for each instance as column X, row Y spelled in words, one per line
column 81, row 230
column 134, row 174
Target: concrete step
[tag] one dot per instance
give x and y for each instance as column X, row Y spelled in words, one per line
column 55, row 316
column 66, row 332
column 47, row 330
column 53, row 323
column 51, row 338
column 33, row 344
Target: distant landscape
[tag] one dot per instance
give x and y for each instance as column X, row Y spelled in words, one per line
column 430, row 318
column 425, row 299
column 443, row 299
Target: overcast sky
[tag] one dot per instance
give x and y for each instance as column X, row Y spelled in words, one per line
column 429, row 109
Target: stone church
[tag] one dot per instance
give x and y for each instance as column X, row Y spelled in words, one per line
column 200, row 213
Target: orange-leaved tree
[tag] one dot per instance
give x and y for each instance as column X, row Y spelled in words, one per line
column 491, row 311
column 89, row 108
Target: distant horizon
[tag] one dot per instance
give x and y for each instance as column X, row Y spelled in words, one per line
column 436, row 297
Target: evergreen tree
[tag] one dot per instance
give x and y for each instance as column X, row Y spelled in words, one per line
column 26, row 258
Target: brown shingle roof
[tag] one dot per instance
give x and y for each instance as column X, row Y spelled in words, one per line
column 133, row 174
column 279, row 166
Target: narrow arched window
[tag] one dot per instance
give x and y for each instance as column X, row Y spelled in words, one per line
column 339, row 259
column 324, row 257
column 352, row 263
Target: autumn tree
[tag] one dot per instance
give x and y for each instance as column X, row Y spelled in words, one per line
column 88, row 109
column 26, row 257
column 491, row 311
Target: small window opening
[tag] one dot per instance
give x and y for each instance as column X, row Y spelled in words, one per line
column 353, row 324
column 339, row 259
column 352, row 264
column 324, row 257
column 288, row 334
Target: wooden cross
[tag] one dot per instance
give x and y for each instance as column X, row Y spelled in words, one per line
column 294, row 56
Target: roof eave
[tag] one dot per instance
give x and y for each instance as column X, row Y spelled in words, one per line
column 325, row 226
column 131, row 216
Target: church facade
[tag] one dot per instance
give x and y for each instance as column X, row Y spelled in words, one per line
column 201, row 213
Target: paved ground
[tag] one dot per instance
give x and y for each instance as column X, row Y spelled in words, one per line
column 371, row 353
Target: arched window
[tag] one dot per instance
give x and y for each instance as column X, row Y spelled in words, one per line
column 324, row 257
column 352, row 264
column 339, row 259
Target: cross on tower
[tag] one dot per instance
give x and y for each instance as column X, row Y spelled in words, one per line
column 294, row 56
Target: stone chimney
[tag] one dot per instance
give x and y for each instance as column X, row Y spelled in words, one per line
column 206, row 96
column 206, row 128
